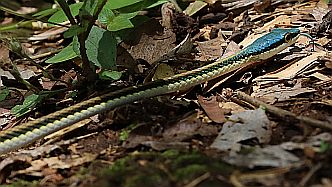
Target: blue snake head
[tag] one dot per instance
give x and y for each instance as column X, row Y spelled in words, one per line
column 273, row 43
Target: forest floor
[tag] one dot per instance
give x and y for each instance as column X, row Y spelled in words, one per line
column 268, row 124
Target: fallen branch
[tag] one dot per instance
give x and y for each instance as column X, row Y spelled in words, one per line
column 284, row 113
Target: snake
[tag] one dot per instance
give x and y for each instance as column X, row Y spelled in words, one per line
column 262, row 48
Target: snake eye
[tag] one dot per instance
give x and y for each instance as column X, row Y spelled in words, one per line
column 288, row 38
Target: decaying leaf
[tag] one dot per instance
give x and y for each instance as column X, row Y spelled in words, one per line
column 314, row 142
column 150, row 40
column 160, row 146
column 232, row 107
column 281, row 92
column 211, row 49
column 291, row 71
column 243, row 126
column 272, row 156
column 187, row 128
column 174, row 135
column 38, row 166
column 212, row 109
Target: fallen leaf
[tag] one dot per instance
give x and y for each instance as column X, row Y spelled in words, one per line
column 212, row 109
column 181, row 131
column 314, row 143
column 194, row 7
column 161, row 146
column 232, row 107
column 187, row 128
column 271, row 156
column 281, row 92
column 39, row 151
column 320, row 11
column 37, row 166
column 291, row 71
column 150, row 40
column 243, row 126
column 163, row 71
column 211, row 49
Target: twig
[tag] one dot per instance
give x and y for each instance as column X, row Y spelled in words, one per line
column 198, row 180
column 237, row 177
column 284, row 113
column 312, row 171
column 17, row 75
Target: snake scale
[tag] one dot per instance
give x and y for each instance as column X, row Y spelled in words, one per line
column 263, row 48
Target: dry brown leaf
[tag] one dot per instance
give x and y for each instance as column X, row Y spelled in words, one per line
column 211, row 49
column 321, row 77
column 212, row 109
column 291, row 71
column 320, row 11
column 58, row 163
column 231, row 49
column 151, row 46
column 52, row 33
column 281, row 92
column 231, row 106
column 323, row 41
column 187, row 128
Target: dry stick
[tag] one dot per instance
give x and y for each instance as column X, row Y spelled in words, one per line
column 284, row 113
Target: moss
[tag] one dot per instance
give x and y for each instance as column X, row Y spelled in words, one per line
column 144, row 180
column 171, row 168
column 170, row 153
column 22, row 183
column 190, row 172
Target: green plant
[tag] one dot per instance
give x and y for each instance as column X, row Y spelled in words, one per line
column 96, row 45
column 100, row 26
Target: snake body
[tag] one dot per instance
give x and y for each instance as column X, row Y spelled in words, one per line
column 261, row 49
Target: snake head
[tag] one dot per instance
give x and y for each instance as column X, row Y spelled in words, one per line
column 273, row 42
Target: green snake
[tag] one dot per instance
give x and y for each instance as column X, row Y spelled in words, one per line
column 261, row 49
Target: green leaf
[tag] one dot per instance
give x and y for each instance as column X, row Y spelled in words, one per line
column 128, row 34
column 115, row 4
column 4, row 93
column 114, row 21
column 124, row 134
column 67, row 53
column 76, row 46
column 194, row 7
column 140, row 6
column 121, row 21
column 88, row 10
column 74, row 30
column 28, row 105
column 46, row 12
column 324, row 146
column 106, row 13
column 101, row 48
column 60, row 16
column 160, row 2
column 114, row 75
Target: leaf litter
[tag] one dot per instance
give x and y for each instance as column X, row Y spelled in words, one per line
column 255, row 142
